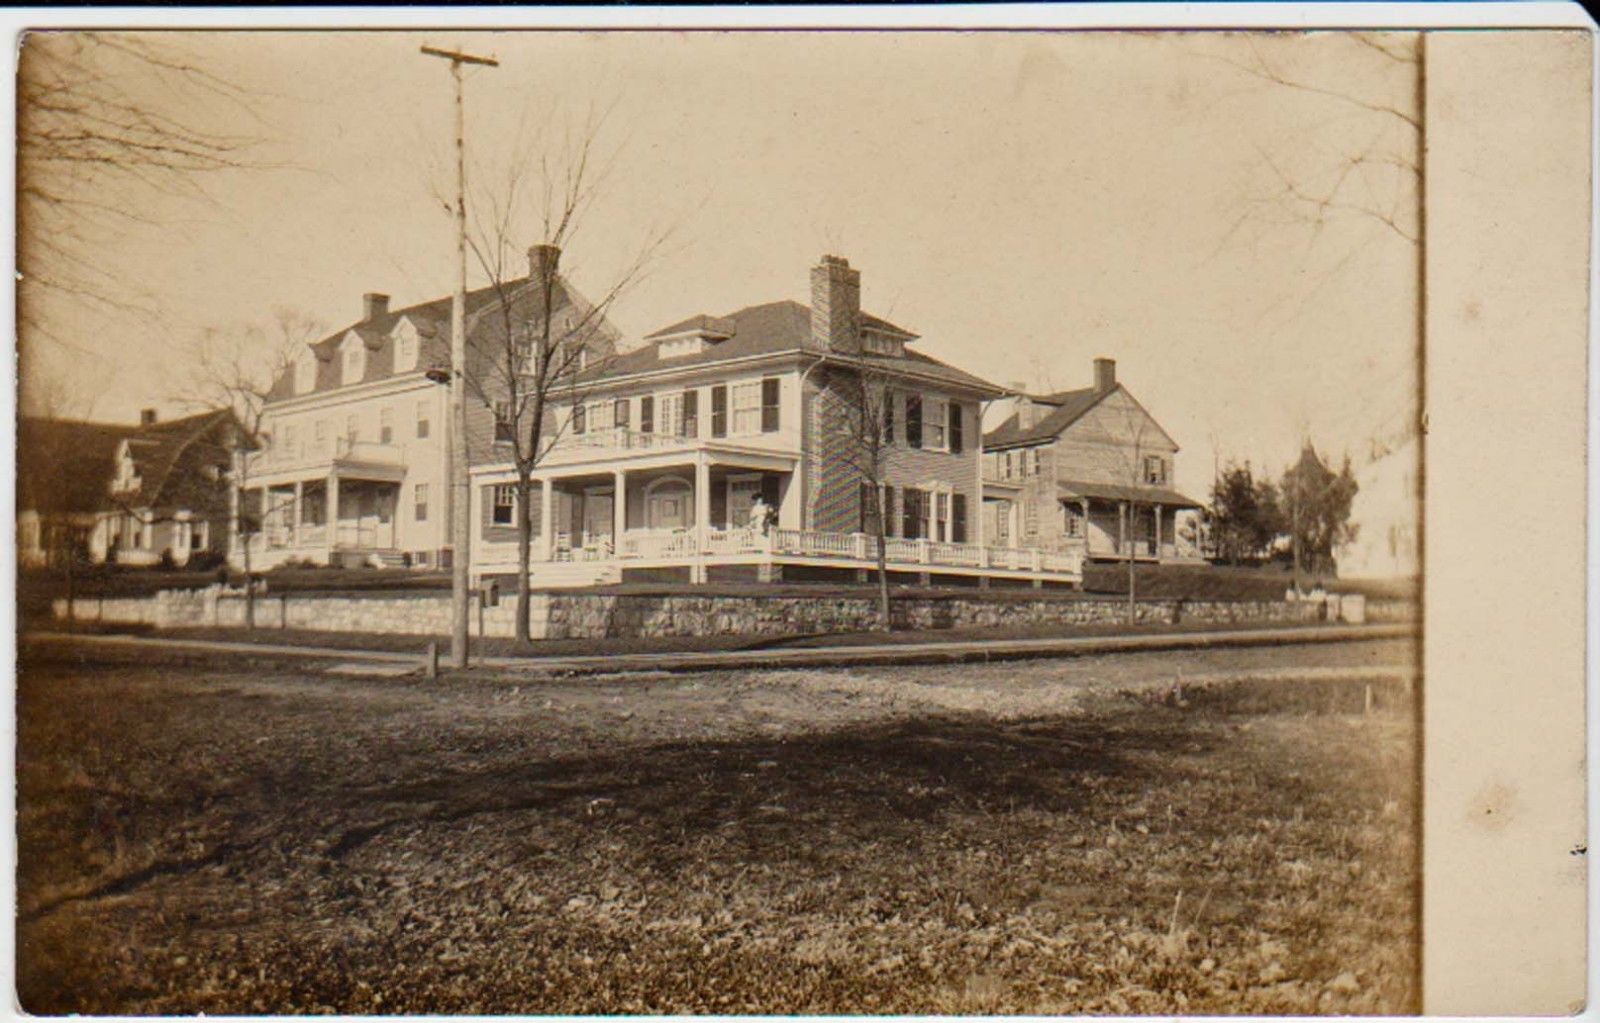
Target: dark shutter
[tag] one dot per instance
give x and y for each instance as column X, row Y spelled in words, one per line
column 621, row 413
column 769, row 491
column 958, row 518
column 535, row 507
column 910, row 513
column 864, row 501
column 769, row 405
column 689, row 426
column 888, row 417
column 578, row 412
column 647, row 414
column 719, row 410
column 955, row 428
column 719, row 504
column 914, row 420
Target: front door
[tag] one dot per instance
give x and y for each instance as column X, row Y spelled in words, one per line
column 668, row 507
column 598, row 515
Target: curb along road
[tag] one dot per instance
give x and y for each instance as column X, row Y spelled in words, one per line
column 811, row 657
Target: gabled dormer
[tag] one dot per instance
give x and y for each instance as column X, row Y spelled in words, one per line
column 352, row 358
column 407, row 341
column 305, row 371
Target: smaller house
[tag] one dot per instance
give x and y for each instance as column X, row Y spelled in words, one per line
column 127, row 494
column 1088, row 469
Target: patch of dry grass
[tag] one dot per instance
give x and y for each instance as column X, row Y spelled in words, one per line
column 198, row 840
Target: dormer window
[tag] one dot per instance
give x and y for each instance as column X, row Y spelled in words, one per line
column 353, row 356
column 305, row 372
column 405, row 347
column 878, row 343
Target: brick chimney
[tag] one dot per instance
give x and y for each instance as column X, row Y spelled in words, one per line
column 1105, row 375
column 147, row 417
column 543, row 261
column 836, row 305
column 373, row 305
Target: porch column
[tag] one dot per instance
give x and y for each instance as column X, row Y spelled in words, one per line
column 299, row 495
column 1014, row 516
column 619, row 510
column 1122, row 529
column 547, row 519
column 1083, row 503
column 1158, row 533
column 235, row 534
column 702, row 515
column 333, row 514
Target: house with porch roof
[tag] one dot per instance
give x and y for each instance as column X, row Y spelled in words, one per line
column 659, row 454
column 1088, row 470
column 353, row 465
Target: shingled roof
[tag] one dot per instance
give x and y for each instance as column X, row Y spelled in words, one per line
column 772, row 328
column 1067, row 407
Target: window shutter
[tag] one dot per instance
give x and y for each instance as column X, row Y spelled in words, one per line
column 864, row 501
column 622, row 411
column 914, row 420
column 910, row 508
column 719, row 410
column 578, row 414
column 769, row 405
column 955, row 428
column 958, row 518
column 888, row 417
column 689, row 425
column 647, row 414
column 536, row 507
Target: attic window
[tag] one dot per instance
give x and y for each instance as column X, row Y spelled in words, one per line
column 405, row 347
column 354, row 361
column 675, row 347
column 877, row 343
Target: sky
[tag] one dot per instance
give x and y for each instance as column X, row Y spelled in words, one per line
column 1023, row 201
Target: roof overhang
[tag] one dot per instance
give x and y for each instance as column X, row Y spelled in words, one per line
column 1076, row 490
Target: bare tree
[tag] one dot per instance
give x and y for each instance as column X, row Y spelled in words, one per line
column 110, row 127
column 236, row 370
column 1132, row 452
column 862, row 421
column 539, row 345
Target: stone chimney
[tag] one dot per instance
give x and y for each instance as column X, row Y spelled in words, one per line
column 147, row 417
column 836, row 305
column 544, row 261
column 373, row 305
column 1105, row 375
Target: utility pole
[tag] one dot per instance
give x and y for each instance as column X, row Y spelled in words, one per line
column 460, row 486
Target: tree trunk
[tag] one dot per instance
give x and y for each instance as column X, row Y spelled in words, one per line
column 249, row 589
column 524, row 555
column 883, row 578
column 71, row 590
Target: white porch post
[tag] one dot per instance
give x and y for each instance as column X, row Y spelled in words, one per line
column 547, row 519
column 702, row 515
column 299, row 494
column 1157, row 551
column 333, row 514
column 235, row 534
column 1014, row 517
column 619, row 510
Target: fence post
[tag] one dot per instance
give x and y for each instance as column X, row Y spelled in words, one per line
column 433, row 660
column 924, row 550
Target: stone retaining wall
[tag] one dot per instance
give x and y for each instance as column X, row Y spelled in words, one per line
column 595, row 616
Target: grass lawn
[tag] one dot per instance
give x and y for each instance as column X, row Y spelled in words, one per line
column 1050, row 837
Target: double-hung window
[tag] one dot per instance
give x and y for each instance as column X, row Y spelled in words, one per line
column 669, row 413
column 504, row 428
column 422, row 420
column 1155, row 469
column 935, row 424
column 420, row 501
column 746, row 408
column 385, row 425
column 505, row 503
column 914, row 420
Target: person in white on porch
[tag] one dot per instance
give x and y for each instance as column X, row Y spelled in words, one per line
column 760, row 516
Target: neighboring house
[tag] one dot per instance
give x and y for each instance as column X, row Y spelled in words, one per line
column 133, row 495
column 1089, row 470
column 660, row 454
column 354, row 466
column 1385, row 512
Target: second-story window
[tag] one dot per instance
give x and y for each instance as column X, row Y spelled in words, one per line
column 352, row 431
column 1155, row 469
column 769, row 405
column 419, row 494
column 887, row 400
column 621, row 413
column 386, row 425
column 691, row 414
column 504, row 428
column 719, row 410
column 288, row 440
column 1037, row 458
column 422, row 420
column 746, row 408
column 647, row 414
column 956, row 428
column 914, row 420
column 935, row 425
column 579, row 420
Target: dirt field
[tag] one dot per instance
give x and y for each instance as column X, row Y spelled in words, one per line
column 1048, row 836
